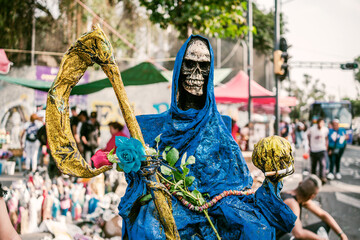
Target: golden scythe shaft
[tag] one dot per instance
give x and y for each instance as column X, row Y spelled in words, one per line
column 92, row 47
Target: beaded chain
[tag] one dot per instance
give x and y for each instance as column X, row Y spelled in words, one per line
column 210, row 203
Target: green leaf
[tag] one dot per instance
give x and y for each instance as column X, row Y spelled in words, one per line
column 180, row 194
column 151, row 151
column 196, row 193
column 191, row 160
column 165, row 170
column 183, row 161
column 164, row 155
column 185, row 171
column 167, row 148
column 178, row 175
column 172, row 156
column 178, row 184
column 146, row 198
column 111, row 156
column 201, row 200
column 193, row 201
column 157, row 139
column 189, row 181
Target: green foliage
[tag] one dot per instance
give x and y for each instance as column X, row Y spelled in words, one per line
column 223, row 19
column 211, row 17
column 357, row 71
column 178, row 180
column 111, row 156
column 355, row 105
column 263, row 39
column 172, row 156
column 310, row 91
column 16, row 21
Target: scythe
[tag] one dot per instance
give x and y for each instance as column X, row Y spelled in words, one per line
column 93, row 47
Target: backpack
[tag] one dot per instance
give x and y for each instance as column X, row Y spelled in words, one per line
column 31, row 132
column 41, row 135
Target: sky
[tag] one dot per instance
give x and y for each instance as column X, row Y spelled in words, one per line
column 323, row 30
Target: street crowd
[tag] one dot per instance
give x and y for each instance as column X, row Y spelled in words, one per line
column 85, row 129
column 47, row 201
column 324, row 144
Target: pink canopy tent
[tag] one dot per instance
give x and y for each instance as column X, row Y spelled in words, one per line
column 4, row 62
column 237, row 91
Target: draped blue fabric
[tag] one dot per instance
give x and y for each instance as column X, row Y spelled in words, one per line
column 219, row 166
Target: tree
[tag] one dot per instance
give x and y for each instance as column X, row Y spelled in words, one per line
column 357, row 71
column 223, row 19
column 16, row 18
column 57, row 34
column 211, row 17
column 311, row 91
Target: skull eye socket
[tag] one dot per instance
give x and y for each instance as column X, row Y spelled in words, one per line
column 190, row 64
column 204, row 66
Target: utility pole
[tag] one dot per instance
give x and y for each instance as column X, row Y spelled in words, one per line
column 33, row 41
column 218, row 48
column 276, row 47
column 250, row 54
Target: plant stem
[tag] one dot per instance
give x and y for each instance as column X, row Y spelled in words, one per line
column 180, row 188
column 212, row 225
column 198, row 200
column 165, row 179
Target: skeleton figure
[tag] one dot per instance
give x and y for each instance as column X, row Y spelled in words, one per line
column 194, row 75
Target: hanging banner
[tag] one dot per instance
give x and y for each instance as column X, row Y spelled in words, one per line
column 48, row 74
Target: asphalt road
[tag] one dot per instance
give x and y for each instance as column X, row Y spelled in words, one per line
column 341, row 198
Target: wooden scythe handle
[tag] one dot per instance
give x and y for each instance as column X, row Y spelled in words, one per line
column 92, row 47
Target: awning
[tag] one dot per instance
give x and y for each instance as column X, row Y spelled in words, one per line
column 4, row 62
column 237, row 91
column 141, row 74
column 219, row 74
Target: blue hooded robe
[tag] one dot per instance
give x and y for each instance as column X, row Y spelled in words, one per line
column 219, row 166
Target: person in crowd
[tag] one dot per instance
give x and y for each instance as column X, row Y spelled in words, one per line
column 337, row 144
column 318, row 142
column 84, row 131
column 95, row 123
column 245, row 136
column 41, row 125
column 235, row 131
column 115, row 130
column 74, row 122
column 303, row 196
column 284, row 129
column 32, row 144
column 7, row 231
column 88, row 136
column 299, row 133
column 53, row 171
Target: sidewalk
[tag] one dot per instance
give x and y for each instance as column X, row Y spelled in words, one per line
column 6, row 180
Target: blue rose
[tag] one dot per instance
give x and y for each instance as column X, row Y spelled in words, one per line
column 130, row 152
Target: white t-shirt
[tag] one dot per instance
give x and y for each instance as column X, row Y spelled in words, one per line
column 318, row 138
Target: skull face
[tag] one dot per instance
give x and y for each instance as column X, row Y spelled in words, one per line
column 195, row 67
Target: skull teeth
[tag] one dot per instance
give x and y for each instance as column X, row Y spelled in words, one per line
column 194, row 83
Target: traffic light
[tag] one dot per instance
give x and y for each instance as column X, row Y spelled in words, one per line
column 349, row 66
column 280, row 60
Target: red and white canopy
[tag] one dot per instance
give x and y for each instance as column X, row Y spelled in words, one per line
column 4, row 62
column 237, row 91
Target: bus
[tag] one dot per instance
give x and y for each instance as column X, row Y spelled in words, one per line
column 333, row 110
